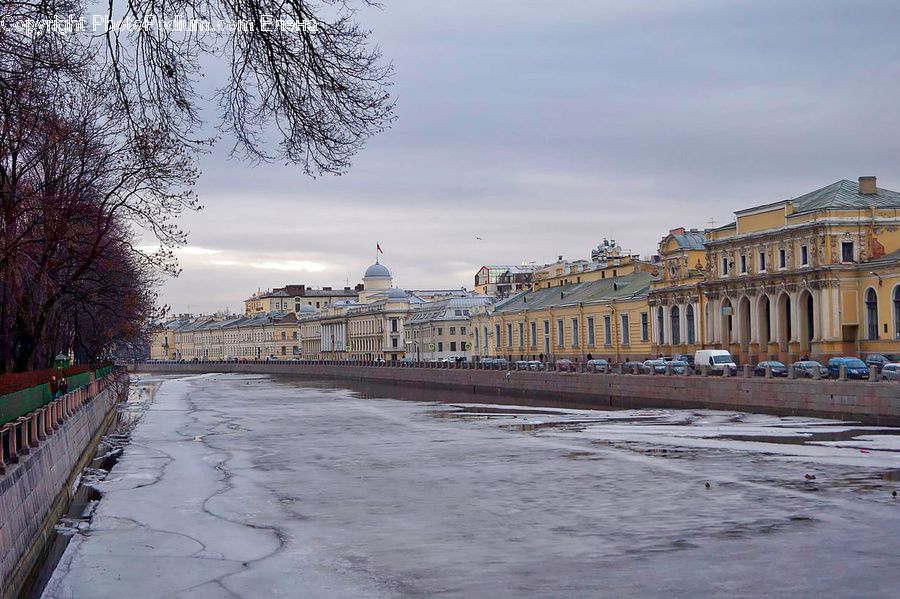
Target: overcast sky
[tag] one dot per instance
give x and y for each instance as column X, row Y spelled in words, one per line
column 543, row 127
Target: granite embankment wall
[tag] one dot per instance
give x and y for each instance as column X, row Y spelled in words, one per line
column 35, row 491
column 869, row 402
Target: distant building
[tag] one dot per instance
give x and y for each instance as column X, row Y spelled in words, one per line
column 440, row 329
column 607, row 261
column 291, row 298
column 503, row 280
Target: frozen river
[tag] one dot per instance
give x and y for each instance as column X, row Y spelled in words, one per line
column 248, row 486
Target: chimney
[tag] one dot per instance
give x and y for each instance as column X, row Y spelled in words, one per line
column 867, row 186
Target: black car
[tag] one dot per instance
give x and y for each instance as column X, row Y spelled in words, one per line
column 778, row 368
column 879, row 360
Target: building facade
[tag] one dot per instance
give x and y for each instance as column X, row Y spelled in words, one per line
column 290, row 298
column 603, row 318
column 371, row 328
column 440, row 330
column 815, row 276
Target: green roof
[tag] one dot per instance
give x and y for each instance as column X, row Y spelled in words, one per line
column 633, row 285
column 844, row 195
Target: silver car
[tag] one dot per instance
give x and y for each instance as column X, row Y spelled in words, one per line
column 891, row 372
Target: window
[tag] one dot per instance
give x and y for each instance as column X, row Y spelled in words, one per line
column 871, row 315
column 462, row 330
column 590, row 331
column 452, row 330
column 689, row 316
column 440, row 330
column 724, row 266
column 645, row 326
column 509, row 334
column 475, row 330
column 440, row 346
column 533, row 334
column 607, row 330
column 676, row 324
column 560, row 334
column 762, row 262
column 453, row 346
column 521, row 334
column 626, row 333
column 743, row 264
column 782, row 258
column 661, row 325
column 497, row 330
column 897, row 312
column 575, row 332
column 394, row 342
column 394, row 325
column 804, row 256
column 846, row 251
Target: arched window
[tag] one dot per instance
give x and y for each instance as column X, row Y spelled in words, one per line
column 871, row 315
column 661, row 321
column 676, row 325
column 897, row 312
column 689, row 314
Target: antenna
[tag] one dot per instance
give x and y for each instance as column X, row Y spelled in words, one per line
column 712, row 223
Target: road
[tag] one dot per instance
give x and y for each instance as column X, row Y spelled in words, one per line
column 249, row 486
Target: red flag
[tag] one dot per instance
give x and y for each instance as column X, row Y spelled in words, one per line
column 378, row 247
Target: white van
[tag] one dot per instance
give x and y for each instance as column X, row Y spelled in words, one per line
column 715, row 359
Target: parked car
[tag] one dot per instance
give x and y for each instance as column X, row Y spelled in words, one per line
column 891, row 372
column 597, row 364
column 628, row 367
column 855, row 368
column 535, row 365
column 879, row 360
column 521, row 364
column 565, row 365
column 806, row 368
column 678, row 366
column 778, row 368
column 500, row 363
column 715, row 359
column 658, row 366
column 406, row 361
column 684, row 358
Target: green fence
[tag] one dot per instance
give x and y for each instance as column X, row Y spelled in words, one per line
column 28, row 400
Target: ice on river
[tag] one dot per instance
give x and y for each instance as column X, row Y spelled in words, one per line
column 247, row 486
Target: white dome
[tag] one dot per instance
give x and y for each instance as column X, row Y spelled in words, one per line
column 396, row 293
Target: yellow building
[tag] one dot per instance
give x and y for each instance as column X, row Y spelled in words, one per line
column 291, row 298
column 675, row 299
column 817, row 275
column 607, row 317
column 607, row 260
column 222, row 337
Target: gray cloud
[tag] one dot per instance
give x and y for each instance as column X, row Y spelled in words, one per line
column 545, row 127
